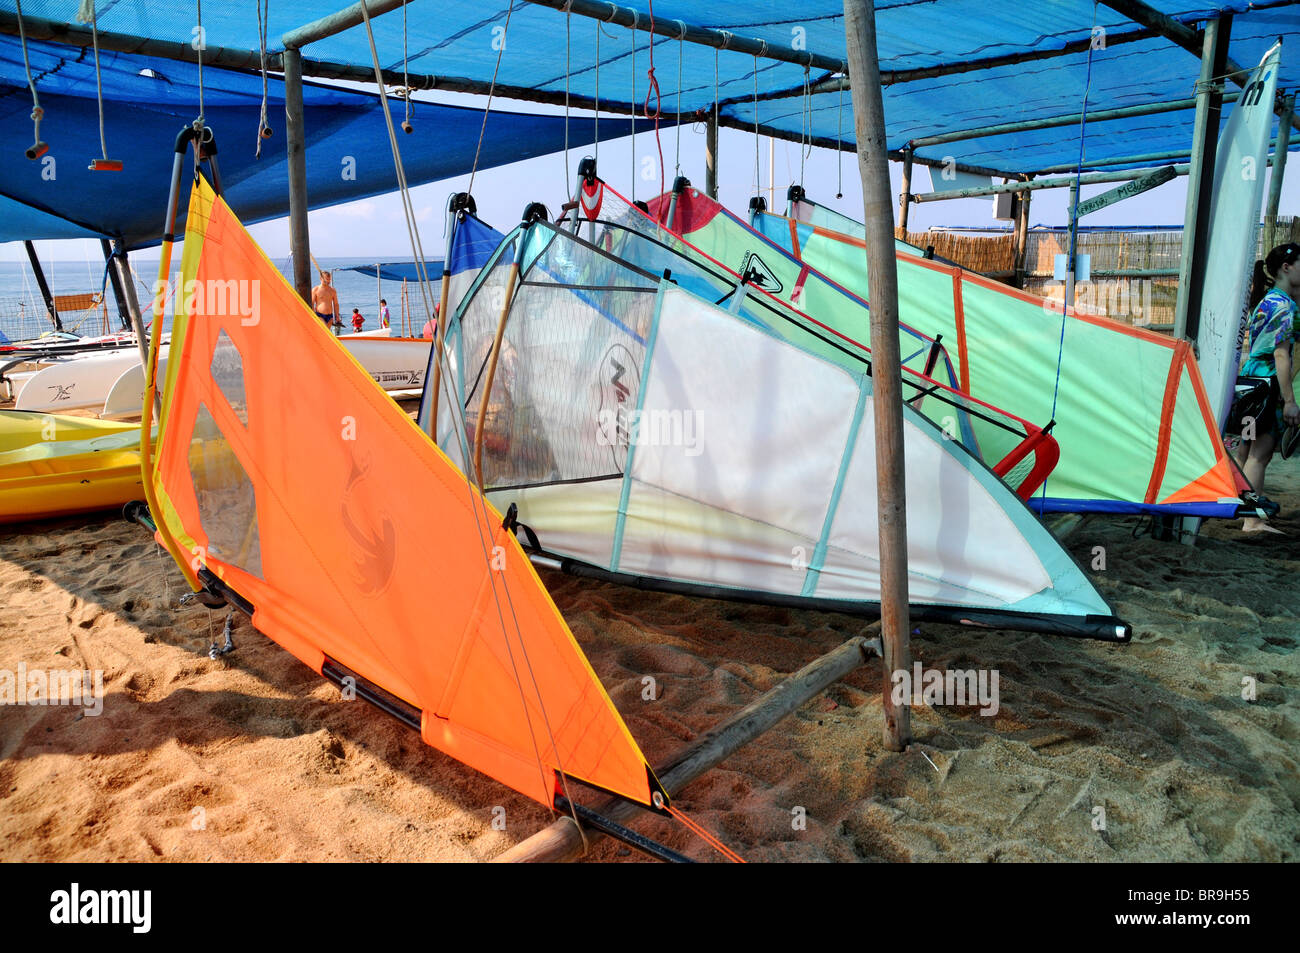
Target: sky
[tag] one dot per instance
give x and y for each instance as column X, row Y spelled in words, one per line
column 373, row 228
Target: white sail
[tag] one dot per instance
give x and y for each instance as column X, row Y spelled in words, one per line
column 1234, row 222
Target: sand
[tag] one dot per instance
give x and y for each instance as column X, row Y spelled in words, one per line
column 1143, row 752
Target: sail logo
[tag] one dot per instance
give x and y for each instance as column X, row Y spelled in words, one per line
column 1254, row 91
column 75, row 906
column 620, row 383
column 756, row 272
column 53, row 687
column 952, row 688
column 372, row 536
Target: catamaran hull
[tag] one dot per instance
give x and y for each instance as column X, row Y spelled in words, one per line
column 59, row 466
column 112, row 384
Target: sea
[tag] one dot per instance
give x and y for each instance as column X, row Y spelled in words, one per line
column 22, row 313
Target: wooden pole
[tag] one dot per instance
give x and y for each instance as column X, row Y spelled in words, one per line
column 1021, row 251
column 296, row 145
column 1279, row 164
column 122, row 265
column 439, row 320
column 563, row 841
column 905, row 199
column 711, row 156
column 886, row 375
column 491, row 372
column 1205, row 134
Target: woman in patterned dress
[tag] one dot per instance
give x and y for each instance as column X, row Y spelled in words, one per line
column 1274, row 327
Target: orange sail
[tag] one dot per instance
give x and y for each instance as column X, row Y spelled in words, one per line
column 283, row 470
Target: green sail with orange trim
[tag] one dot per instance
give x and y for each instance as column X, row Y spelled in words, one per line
column 1134, row 426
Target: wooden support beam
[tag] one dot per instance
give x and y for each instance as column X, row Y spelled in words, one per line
column 296, row 146
column 563, row 841
column 711, row 156
column 1141, row 158
column 886, row 374
column 905, row 198
column 832, row 84
column 1200, row 183
column 895, row 77
column 125, row 286
column 1186, row 37
column 1020, row 238
column 1034, row 185
column 596, row 10
column 1051, row 122
column 1129, row 189
column 1064, row 524
column 1279, row 161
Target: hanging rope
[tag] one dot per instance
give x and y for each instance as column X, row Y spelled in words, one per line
column 37, row 148
column 1068, row 306
column 634, row 23
column 505, row 34
column 805, row 122
column 653, row 90
column 758, row 181
column 681, row 42
column 714, row 157
column 86, row 14
column 568, row 17
column 700, row 832
column 263, row 122
column 613, row 11
column 202, row 42
column 839, row 145
column 409, row 111
column 597, row 132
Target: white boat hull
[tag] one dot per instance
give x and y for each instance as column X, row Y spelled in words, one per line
column 113, row 384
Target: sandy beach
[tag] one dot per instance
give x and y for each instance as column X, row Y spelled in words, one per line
column 254, row 757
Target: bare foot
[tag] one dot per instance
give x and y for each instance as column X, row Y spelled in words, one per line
column 1253, row 525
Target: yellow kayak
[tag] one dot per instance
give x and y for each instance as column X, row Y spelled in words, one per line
column 52, row 465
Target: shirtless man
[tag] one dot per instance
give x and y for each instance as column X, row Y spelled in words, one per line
column 325, row 301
